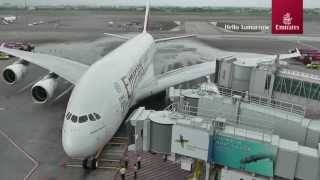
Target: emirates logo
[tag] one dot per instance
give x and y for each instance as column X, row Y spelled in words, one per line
column 287, row 16
column 286, row 24
column 286, row 19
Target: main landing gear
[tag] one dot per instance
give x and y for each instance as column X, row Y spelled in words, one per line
column 90, row 163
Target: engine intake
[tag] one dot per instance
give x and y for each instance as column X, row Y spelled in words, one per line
column 43, row 90
column 14, row 72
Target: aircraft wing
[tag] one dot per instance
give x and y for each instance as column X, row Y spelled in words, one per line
column 65, row 68
column 174, row 77
column 281, row 56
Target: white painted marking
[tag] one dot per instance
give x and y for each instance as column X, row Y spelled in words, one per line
column 36, row 163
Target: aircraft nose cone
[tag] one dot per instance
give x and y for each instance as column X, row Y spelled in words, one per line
column 69, row 145
column 75, row 146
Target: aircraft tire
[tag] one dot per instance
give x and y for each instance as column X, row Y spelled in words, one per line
column 85, row 163
column 94, row 163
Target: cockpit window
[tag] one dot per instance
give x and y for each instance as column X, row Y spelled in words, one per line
column 83, row 119
column 97, row 115
column 68, row 115
column 74, row 118
column 91, row 117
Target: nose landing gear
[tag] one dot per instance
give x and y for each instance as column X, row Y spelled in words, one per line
column 90, row 163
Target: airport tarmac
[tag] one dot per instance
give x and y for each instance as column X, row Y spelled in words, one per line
column 30, row 134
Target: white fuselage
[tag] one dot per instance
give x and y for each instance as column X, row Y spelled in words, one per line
column 106, row 89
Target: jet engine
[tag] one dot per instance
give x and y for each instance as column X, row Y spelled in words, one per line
column 14, row 72
column 43, row 90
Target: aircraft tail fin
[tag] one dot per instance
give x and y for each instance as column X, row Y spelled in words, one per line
column 146, row 17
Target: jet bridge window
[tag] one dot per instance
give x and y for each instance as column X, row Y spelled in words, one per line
column 83, row 119
column 74, row 118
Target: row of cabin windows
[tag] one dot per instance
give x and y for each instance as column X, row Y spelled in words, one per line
column 84, row 118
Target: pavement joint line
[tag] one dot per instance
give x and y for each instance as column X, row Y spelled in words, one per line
column 36, row 163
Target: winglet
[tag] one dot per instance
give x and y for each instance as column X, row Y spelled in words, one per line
column 2, row 45
column 146, row 17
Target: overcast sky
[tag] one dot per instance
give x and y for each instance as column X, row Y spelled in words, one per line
column 213, row 3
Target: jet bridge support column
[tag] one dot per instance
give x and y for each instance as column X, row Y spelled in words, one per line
column 146, row 135
column 207, row 177
column 274, row 71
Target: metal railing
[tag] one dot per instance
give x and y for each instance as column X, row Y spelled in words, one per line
column 185, row 111
column 300, row 74
column 264, row 101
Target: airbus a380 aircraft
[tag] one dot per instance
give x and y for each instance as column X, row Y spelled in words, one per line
column 104, row 91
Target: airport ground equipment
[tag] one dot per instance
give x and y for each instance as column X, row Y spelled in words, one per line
column 313, row 66
column 25, row 46
column 307, row 55
column 4, row 56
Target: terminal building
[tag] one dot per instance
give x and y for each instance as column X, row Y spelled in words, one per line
column 226, row 136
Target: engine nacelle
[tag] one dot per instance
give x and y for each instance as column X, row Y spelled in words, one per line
column 43, row 90
column 14, row 72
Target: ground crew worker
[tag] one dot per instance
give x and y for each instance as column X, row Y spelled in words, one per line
column 135, row 168
column 165, row 157
column 126, row 161
column 139, row 161
column 123, row 173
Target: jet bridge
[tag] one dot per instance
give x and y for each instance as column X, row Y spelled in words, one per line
column 278, row 80
column 284, row 119
column 233, row 135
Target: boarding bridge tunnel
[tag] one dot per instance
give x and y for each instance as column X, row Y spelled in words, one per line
column 270, row 80
column 197, row 124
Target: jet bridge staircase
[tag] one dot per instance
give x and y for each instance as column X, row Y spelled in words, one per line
column 109, row 157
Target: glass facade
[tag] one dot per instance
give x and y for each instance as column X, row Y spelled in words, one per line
column 297, row 88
